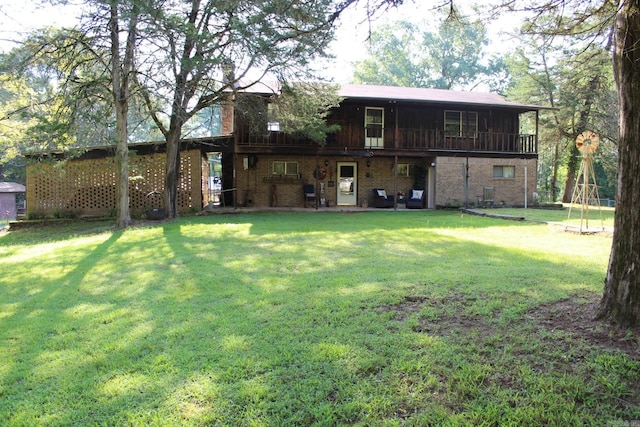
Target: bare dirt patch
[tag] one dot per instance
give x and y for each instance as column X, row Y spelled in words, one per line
column 574, row 317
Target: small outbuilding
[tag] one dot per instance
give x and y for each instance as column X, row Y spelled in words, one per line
column 11, row 200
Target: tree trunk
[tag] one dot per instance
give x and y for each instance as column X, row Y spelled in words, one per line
column 119, row 81
column 621, row 297
column 572, row 169
column 554, row 175
column 123, row 216
column 172, row 175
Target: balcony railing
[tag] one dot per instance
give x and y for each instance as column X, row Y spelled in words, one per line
column 405, row 139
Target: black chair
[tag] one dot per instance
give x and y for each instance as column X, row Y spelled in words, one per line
column 381, row 200
column 416, row 199
column 309, row 191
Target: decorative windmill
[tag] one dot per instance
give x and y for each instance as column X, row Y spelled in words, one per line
column 586, row 188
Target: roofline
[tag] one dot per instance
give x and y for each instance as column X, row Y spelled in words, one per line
column 401, row 94
column 132, row 145
column 513, row 106
column 426, row 96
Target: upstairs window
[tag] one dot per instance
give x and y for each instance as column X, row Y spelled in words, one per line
column 272, row 124
column 461, row 123
column 374, row 127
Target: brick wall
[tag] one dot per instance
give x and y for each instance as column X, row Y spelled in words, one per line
column 227, row 116
column 256, row 186
column 508, row 191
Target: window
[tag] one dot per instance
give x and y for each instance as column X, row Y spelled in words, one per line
column 272, row 124
column 404, row 169
column 504, row 171
column 460, row 123
column 285, row 168
column 374, row 127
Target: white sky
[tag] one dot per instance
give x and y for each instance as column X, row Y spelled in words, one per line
column 19, row 17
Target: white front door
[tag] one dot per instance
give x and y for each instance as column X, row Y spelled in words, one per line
column 347, row 183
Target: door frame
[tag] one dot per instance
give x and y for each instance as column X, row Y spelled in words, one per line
column 351, row 200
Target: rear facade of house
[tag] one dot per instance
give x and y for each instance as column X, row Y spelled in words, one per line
column 456, row 148
column 460, row 148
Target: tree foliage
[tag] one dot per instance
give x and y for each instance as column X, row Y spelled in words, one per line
column 191, row 55
column 577, row 81
column 453, row 57
column 302, row 109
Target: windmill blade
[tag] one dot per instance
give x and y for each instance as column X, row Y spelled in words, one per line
column 587, row 142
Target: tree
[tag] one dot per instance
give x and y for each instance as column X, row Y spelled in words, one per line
column 620, row 302
column 302, row 108
column 198, row 53
column 121, row 69
column 35, row 112
column 577, row 82
column 451, row 58
column 621, row 296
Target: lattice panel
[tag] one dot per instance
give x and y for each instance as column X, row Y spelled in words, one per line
column 88, row 187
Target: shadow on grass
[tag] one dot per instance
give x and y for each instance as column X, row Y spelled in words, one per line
column 275, row 320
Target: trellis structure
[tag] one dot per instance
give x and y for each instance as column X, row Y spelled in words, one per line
column 87, row 186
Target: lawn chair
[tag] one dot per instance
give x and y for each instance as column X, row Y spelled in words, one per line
column 309, row 191
column 488, row 195
column 381, row 200
column 416, row 199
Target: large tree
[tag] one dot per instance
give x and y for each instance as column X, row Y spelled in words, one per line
column 195, row 54
column 121, row 68
column 621, row 297
column 620, row 302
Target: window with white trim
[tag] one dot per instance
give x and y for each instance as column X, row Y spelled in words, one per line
column 461, row 123
column 285, row 168
column 374, row 127
column 504, row 172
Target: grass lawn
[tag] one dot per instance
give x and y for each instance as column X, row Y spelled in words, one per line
column 373, row 319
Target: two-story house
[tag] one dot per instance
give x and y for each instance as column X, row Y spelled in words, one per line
column 462, row 148
column 459, row 148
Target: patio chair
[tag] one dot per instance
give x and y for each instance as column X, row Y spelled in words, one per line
column 488, row 196
column 415, row 199
column 309, row 191
column 381, row 200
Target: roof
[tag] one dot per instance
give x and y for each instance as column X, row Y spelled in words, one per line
column 431, row 96
column 216, row 141
column 413, row 94
column 11, row 187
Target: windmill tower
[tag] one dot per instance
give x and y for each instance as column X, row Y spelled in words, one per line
column 586, row 188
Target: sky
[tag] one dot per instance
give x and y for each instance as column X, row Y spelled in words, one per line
column 19, row 17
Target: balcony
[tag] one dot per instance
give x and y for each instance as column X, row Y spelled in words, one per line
column 403, row 139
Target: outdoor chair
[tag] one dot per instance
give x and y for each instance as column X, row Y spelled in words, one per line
column 309, row 191
column 381, row 200
column 488, row 196
column 415, row 199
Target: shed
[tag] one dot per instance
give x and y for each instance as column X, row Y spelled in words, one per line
column 9, row 193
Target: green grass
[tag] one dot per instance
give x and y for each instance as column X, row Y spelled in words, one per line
column 378, row 318
column 596, row 217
